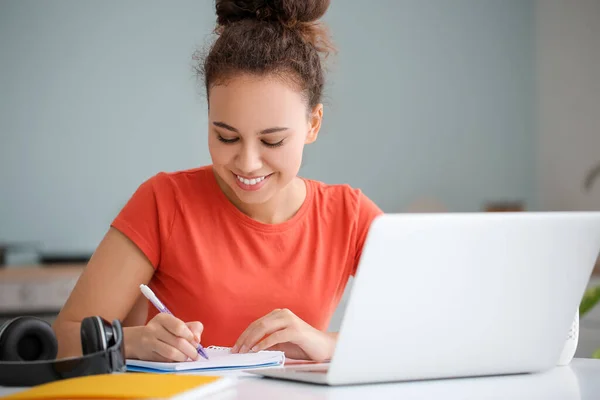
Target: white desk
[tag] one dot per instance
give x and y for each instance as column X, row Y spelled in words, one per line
column 580, row 380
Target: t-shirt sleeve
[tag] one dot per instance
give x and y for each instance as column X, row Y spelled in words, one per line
column 367, row 212
column 147, row 218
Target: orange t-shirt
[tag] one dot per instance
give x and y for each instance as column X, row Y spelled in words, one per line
column 218, row 266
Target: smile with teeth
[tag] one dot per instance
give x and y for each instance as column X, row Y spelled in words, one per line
column 252, row 181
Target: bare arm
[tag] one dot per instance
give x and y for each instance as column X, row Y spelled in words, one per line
column 108, row 287
column 137, row 315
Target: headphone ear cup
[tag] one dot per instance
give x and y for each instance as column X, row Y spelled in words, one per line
column 27, row 339
column 95, row 334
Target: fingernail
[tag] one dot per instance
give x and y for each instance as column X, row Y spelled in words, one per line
column 197, row 338
column 243, row 349
column 254, row 349
column 234, row 349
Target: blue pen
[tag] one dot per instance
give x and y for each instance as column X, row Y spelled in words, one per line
column 161, row 307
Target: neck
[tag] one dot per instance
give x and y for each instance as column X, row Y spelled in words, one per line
column 280, row 208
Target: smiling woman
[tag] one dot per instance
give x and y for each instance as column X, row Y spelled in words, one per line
column 244, row 251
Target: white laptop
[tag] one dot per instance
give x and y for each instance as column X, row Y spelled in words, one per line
column 460, row 295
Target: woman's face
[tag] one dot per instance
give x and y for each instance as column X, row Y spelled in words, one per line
column 258, row 127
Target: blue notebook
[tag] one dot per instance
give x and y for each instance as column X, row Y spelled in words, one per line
column 220, row 358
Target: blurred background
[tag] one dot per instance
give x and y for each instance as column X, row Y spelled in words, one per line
column 431, row 105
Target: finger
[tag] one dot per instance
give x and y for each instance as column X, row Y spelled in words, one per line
column 282, row 336
column 179, row 343
column 242, row 337
column 177, row 327
column 168, row 352
column 197, row 328
column 158, row 358
column 260, row 330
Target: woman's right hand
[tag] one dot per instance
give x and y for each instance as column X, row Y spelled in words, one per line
column 165, row 338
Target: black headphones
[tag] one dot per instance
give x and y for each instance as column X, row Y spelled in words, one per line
column 28, row 351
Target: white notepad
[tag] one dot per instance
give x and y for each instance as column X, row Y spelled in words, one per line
column 220, row 358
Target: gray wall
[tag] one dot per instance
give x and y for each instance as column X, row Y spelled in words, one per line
column 426, row 98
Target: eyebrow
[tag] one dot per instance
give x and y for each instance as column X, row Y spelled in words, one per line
column 263, row 132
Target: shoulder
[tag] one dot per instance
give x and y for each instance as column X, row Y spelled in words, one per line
column 178, row 185
column 334, row 193
column 346, row 209
column 180, row 178
column 148, row 216
column 168, row 190
column 343, row 198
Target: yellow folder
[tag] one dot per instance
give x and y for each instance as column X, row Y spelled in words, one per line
column 126, row 386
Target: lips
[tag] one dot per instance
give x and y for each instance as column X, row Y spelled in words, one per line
column 251, row 183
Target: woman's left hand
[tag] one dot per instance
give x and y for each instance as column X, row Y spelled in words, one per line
column 284, row 331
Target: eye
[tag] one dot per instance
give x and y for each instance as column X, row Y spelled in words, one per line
column 222, row 139
column 273, row 144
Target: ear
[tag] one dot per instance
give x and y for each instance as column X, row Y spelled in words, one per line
column 315, row 118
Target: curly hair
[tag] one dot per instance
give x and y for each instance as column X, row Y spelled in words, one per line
column 269, row 37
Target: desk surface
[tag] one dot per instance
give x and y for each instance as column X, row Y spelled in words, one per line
column 580, row 380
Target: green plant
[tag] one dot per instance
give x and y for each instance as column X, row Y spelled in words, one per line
column 592, row 174
column 590, row 298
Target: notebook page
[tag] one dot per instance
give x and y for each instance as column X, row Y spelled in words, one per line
column 219, row 357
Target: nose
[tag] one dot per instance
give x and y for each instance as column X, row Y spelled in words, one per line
column 249, row 159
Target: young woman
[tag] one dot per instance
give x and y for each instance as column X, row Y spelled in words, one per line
column 244, row 252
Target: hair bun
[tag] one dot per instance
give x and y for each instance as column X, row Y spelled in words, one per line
column 288, row 12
